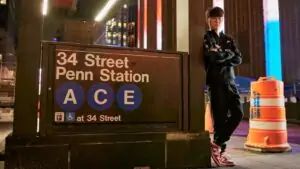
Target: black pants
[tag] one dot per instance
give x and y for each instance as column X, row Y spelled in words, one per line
column 227, row 112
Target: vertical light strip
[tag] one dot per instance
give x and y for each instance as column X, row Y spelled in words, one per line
column 45, row 7
column 182, row 25
column 145, row 22
column 272, row 39
column 220, row 3
column 158, row 24
column 139, row 25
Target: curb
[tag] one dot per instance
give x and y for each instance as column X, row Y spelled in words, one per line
column 293, row 121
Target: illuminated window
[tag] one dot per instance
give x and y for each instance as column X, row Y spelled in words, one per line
column 3, row 2
column 109, row 22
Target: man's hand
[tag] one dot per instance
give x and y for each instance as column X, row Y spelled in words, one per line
column 213, row 49
column 228, row 50
column 216, row 49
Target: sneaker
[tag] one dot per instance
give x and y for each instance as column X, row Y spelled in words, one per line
column 223, row 148
column 215, row 154
column 225, row 160
column 213, row 164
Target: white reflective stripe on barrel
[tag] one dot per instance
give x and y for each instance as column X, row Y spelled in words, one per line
column 261, row 125
column 268, row 102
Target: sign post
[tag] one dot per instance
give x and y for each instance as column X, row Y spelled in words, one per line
column 102, row 89
column 131, row 104
column 103, row 107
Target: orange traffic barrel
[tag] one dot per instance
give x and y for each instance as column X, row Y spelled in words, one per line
column 208, row 119
column 267, row 122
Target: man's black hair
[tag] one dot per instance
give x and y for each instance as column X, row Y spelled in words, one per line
column 215, row 12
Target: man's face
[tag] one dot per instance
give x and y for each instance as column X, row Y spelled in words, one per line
column 214, row 23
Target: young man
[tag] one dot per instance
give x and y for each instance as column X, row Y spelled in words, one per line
column 221, row 56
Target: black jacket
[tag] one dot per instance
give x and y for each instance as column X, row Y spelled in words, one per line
column 219, row 65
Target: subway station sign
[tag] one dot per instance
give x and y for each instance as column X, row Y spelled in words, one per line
column 111, row 86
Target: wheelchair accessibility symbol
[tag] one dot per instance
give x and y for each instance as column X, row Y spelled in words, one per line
column 70, row 116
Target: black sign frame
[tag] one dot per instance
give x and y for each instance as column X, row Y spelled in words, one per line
column 47, row 125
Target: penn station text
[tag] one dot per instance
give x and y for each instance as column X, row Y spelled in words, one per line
column 110, row 69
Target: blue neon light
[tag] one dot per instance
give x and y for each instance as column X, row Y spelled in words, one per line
column 273, row 49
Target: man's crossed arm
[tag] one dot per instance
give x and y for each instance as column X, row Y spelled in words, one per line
column 213, row 54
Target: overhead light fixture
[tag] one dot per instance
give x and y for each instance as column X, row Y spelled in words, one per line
column 45, row 7
column 105, row 10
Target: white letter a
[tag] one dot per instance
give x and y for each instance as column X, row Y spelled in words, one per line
column 70, row 96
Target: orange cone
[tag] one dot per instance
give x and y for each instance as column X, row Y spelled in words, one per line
column 267, row 122
column 208, row 119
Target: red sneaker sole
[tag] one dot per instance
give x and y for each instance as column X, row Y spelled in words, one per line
column 226, row 165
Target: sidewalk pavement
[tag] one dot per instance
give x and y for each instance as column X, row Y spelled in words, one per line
column 250, row 160
column 244, row 159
